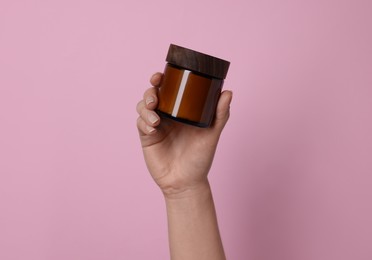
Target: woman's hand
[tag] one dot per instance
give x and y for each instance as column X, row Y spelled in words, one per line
column 178, row 155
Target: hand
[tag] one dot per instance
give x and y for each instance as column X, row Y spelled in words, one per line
column 178, row 155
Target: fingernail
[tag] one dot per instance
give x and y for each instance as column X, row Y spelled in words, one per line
column 150, row 129
column 153, row 119
column 149, row 100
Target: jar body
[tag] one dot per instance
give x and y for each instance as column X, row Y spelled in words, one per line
column 188, row 96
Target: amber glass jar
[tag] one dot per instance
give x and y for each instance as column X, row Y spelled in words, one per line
column 191, row 86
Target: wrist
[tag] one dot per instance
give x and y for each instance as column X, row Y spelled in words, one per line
column 189, row 192
column 195, row 201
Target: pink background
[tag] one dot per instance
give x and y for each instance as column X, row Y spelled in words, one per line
column 292, row 175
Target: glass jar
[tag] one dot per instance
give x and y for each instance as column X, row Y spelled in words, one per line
column 191, row 86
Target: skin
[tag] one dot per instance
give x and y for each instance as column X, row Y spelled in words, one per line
column 178, row 157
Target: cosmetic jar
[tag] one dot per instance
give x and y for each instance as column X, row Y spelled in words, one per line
column 191, row 86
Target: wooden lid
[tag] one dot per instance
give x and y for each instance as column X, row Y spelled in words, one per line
column 198, row 62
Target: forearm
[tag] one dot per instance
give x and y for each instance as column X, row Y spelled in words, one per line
column 192, row 226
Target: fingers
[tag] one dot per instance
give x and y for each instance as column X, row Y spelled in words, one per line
column 144, row 128
column 148, row 118
column 156, row 79
column 147, row 114
column 150, row 98
column 223, row 110
column 151, row 95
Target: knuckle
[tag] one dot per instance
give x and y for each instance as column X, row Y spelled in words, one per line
column 147, row 92
column 139, row 106
column 140, row 124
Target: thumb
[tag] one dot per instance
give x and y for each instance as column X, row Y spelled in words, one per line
column 222, row 111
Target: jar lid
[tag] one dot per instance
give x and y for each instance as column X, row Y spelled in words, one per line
column 197, row 62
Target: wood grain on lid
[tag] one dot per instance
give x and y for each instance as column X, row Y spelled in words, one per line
column 197, row 61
